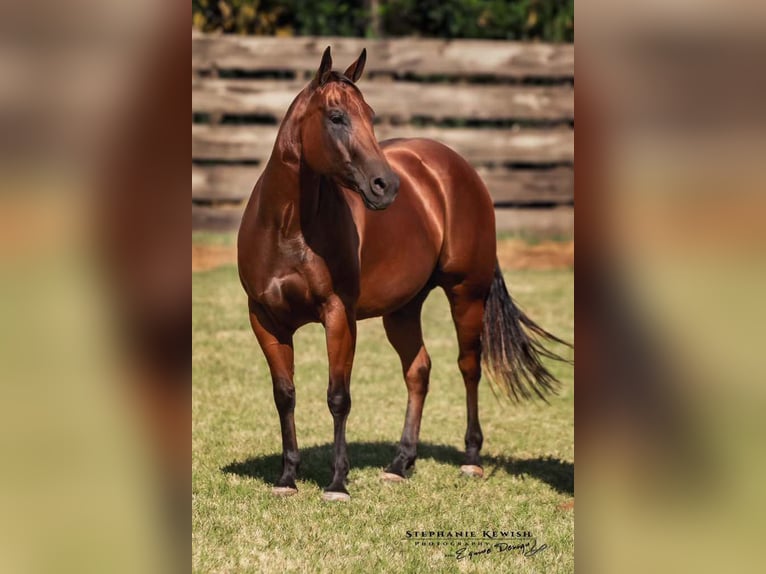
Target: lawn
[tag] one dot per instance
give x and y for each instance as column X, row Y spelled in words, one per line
column 239, row 526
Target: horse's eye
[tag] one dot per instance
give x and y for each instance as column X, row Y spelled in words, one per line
column 337, row 117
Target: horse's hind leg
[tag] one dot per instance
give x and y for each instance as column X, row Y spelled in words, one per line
column 405, row 334
column 468, row 314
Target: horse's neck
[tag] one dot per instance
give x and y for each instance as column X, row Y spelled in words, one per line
column 294, row 197
column 290, row 194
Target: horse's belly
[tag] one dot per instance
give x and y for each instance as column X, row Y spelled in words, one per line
column 384, row 298
column 388, row 284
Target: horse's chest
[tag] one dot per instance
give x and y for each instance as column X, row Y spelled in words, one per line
column 282, row 292
column 294, row 290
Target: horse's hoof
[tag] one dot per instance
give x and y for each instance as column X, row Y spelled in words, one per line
column 472, row 470
column 284, row 491
column 392, row 477
column 336, row 496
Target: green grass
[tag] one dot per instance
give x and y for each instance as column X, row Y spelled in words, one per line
column 238, row 526
column 532, row 237
column 224, row 239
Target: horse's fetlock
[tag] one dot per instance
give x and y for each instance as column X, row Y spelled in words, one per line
column 474, row 439
column 293, row 458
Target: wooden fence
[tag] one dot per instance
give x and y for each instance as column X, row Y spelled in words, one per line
column 507, row 107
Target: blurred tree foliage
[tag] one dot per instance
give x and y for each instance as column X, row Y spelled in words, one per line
column 547, row 20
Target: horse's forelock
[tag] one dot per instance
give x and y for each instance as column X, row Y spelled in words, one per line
column 336, row 94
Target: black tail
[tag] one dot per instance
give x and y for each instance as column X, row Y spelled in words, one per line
column 512, row 347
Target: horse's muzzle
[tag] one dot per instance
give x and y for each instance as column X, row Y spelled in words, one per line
column 381, row 191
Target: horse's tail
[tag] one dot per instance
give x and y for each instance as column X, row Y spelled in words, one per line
column 512, row 347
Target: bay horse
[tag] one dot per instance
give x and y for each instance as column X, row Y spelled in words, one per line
column 340, row 228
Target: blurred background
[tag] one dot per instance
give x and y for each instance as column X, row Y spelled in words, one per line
column 94, row 290
column 670, row 310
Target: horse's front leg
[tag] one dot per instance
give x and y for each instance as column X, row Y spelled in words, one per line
column 340, row 329
column 277, row 345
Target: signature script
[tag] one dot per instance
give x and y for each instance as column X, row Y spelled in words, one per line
column 526, row 548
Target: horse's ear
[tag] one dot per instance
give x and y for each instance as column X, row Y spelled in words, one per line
column 325, row 67
column 354, row 71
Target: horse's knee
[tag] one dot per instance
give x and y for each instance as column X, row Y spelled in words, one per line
column 339, row 402
column 284, row 394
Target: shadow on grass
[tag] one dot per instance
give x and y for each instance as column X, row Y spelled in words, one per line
column 315, row 463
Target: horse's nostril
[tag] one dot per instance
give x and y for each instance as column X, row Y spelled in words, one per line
column 379, row 185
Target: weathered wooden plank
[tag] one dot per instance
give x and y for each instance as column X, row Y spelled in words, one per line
column 226, row 183
column 216, row 218
column 508, row 187
column 239, row 143
column 395, row 100
column 401, row 56
column 223, row 182
column 556, row 221
column 479, row 146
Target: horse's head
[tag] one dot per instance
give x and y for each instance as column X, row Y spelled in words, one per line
column 338, row 138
